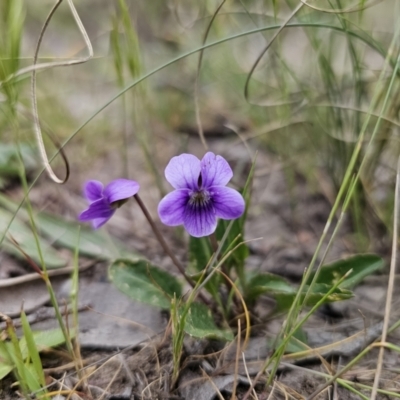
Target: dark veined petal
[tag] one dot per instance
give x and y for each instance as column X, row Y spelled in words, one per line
column 120, row 189
column 183, row 171
column 93, row 191
column 228, row 202
column 215, row 170
column 98, row 209
column 171, row 208
column 199, row 220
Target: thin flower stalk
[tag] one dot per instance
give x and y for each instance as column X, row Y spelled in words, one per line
column 166, row 248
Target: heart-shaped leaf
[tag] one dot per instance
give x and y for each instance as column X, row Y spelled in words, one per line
column 267, row 282
column 361, row 265
column 65, row 234
column 284, row 293
column 145, row 282
column 23, row 235
column 200, row 323
column 284, row 300
column 91, row 243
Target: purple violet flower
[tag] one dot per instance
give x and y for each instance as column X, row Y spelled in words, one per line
column 200, row 195
column 104, row 201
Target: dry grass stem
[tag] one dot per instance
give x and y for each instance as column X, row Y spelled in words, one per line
column 389, row 295
column 38, row 132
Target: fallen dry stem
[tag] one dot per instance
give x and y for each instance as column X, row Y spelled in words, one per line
column 389, row 295
column 111, row 382
column 239, row 333
column 345, row 369
column 248, row 376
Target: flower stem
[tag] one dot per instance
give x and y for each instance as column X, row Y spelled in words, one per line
column 164, row 244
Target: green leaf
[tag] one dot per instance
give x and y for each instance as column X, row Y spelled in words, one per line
column 9, row 160
column 200, row 323
column 6, row 364
column 31, row 378
column 362, row 266
column 91, row 243
column 5, row 369
column 295, row 344
column 22, row 233
column 241, row 253
column 37, row 341
column 44, row 340
column 284, row 293
column 9, row 359
column 285, row 300
column 32, row 349
column 267, row 282
column 238, row 257
column 17, row 359
column 145, row 282
column 200, row 252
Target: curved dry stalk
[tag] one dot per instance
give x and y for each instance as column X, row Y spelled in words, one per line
column 281, row 28
column 282, row 389
column 241, row 139
column 245, row 310
column 389, row 295
column 196, row 84
column 248, row 377
column 38, row 131
column 217, row 391
column 112, row 380
column 233, row 396
column 348, row 10
column 48, row 65
column 356, row 109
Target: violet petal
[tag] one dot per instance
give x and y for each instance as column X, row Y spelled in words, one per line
column 215, row 170
column 98, row 209
column 120, row 189
column 228, row 203
column 93, row 191
column 171, row 208
column 99, row 222
column 200, row 221
column 183, row 171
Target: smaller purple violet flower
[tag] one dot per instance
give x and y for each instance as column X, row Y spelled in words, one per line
column 104, row 201
column 200, row 195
